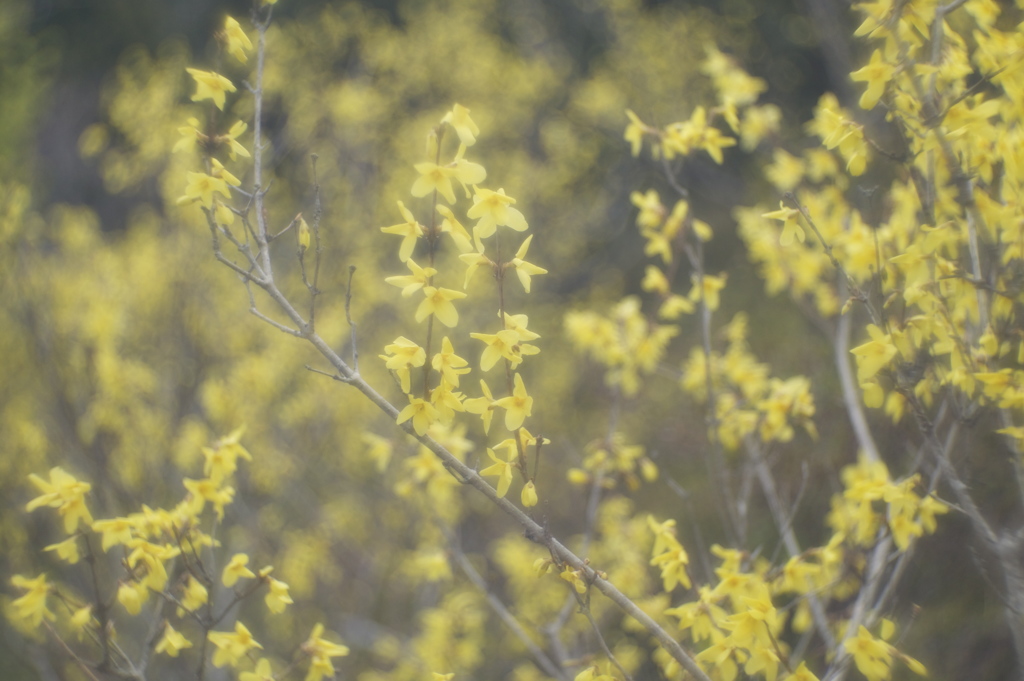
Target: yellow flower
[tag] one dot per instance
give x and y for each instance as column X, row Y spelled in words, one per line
column 463, row 125
column 524, row 269
column 172, row 642
column 502, row 469
column 502, row 344
column 655, row 280
column 201, row 187
column 114, row 531
column 448, row 364
column 708, row 290
column 66, row 494
column 652, row 211
column 635, row 132
column 277, row 597
column 231, row 648
column 673, row 564
column 438, row 302
column 221, row 460
column 876, row 74
column 230, row 138
column 410, row 230
column 484, row 406
column 31, row 607
column 320, row 652
column 411, row 283
column 802, row 673
column 190, row 135
column 67, row 550
column 791, row 228
column 421, row 412
column 466, row 172
column 194, row 595
column 237, row 42
column 518, row 406
column 210, row 85
column 433, row 178
column 529, row 494
column 236, row 569
column 474, row 260
column 81, row 619
column 132, row 595
column 574, row 578
column 491, row 209
column 874, row 355
column 402, row 354
column 872, row 656
column 452, row 226
column 263, row 672
column 211, row 490
column 219, row 171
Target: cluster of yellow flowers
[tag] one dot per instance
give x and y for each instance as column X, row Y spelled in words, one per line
column 166, row 554
column 737, row 622
column 433, row 402
column 171, row 554
column 748, row 400
column 942, row 266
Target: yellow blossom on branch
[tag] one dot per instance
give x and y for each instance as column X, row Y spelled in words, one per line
column 410, row 231
column 402, row 354
column 528, row 496
column 791, row 228
column 210, row 85
column 31, row 606
column 66, row 494
column 518, row 406
column 411, row 283
column 874, row 355
column 201, row 188
column 438, row 302
column 320, row 652
column 451, row 226
column 502, row 468
column 421, row 412
column 263, row 670
column 235, row 39
column 482, row 406
column 190, row 136
column 524, row 269
column 876, row 74
column 433, row 178
column 236, row 569
column 172, row 642
column 502, row 344
column 473, row 261
column 492, row 209
column 448, row 364
column 277, row 596
column 232, row 647
column 463, row 125
column 230, row 138
column 635, row 132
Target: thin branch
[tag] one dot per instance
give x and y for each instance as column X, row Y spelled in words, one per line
column 771, row 495
column 348, row 317
column 543, row 661
column 585, row 609
column 855, row 290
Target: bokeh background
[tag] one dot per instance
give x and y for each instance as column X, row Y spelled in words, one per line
column 126, row 348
